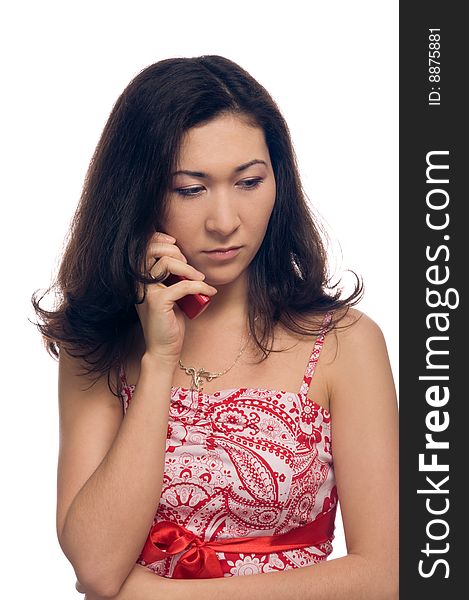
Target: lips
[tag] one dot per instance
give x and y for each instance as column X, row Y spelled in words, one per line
column 223, row 255
column 223, row 249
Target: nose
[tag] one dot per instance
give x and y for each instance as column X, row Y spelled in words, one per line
column 222, row 214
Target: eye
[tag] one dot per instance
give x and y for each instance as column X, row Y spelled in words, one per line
column 250, row 184
column 193, row 191
column 247, row 184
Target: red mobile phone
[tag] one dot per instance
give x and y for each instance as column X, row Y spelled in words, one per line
column 193, row 304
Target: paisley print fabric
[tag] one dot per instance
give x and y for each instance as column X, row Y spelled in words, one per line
column 244, row 462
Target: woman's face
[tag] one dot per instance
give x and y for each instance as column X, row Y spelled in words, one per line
column 222, row 195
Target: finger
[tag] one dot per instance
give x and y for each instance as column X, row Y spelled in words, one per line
column 158, row 249
column 168, row 264
column 161, row 236
column 187, row 287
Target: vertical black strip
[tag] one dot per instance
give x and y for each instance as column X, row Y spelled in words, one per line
column 434, row 253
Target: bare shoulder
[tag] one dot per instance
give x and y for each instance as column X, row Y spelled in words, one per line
column 353, row 335
column 357, row 331
column 356, row 358
column 74, row 378
column 352, row 330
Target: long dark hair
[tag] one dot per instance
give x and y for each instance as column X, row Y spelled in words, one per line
column 124, row 201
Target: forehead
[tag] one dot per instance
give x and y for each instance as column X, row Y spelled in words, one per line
column 227, row 139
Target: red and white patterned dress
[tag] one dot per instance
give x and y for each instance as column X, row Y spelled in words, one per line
column 242, row 463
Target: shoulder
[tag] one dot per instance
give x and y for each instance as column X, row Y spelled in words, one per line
column 353, row 347
column 356, row 358
column 350, row 333
column 349, row 330
column 355, row 330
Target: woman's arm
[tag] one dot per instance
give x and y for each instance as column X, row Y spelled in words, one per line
column 346, row 578
column 106, row 499
column 365, row 449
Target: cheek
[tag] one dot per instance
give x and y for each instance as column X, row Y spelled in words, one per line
column 177, row 224
column 270, row 201
column 186, row 229
column 262, row 213
column 257, row 222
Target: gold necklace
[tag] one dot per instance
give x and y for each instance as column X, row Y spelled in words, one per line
column 198, row 374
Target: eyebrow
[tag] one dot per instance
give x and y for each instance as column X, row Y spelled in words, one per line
column 235, row 170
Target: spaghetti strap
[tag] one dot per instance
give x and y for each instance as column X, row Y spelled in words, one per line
column 122, row 376
column 313, row 359
column 125, row 390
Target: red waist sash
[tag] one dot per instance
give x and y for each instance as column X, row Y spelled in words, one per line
column 200, row 560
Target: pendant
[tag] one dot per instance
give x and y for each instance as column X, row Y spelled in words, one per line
column 197, row 375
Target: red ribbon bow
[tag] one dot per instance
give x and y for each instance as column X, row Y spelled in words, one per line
column 200, row 560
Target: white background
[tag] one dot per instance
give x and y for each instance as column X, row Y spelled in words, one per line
column 333, row 70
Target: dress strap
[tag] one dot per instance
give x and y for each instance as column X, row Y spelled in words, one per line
column 122, row 375
column 313, row 359
column 125, row 391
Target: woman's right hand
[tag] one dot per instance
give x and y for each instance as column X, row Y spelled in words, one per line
column 161, row 318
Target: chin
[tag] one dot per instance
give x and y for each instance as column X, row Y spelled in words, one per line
column 219, row 280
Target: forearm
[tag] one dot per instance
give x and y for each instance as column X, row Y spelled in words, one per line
column 351, row 577
column 109, row 520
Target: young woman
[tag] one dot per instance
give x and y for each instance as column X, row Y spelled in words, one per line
column 196, row 450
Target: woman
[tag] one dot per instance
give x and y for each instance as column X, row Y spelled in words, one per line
column 180, row 479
